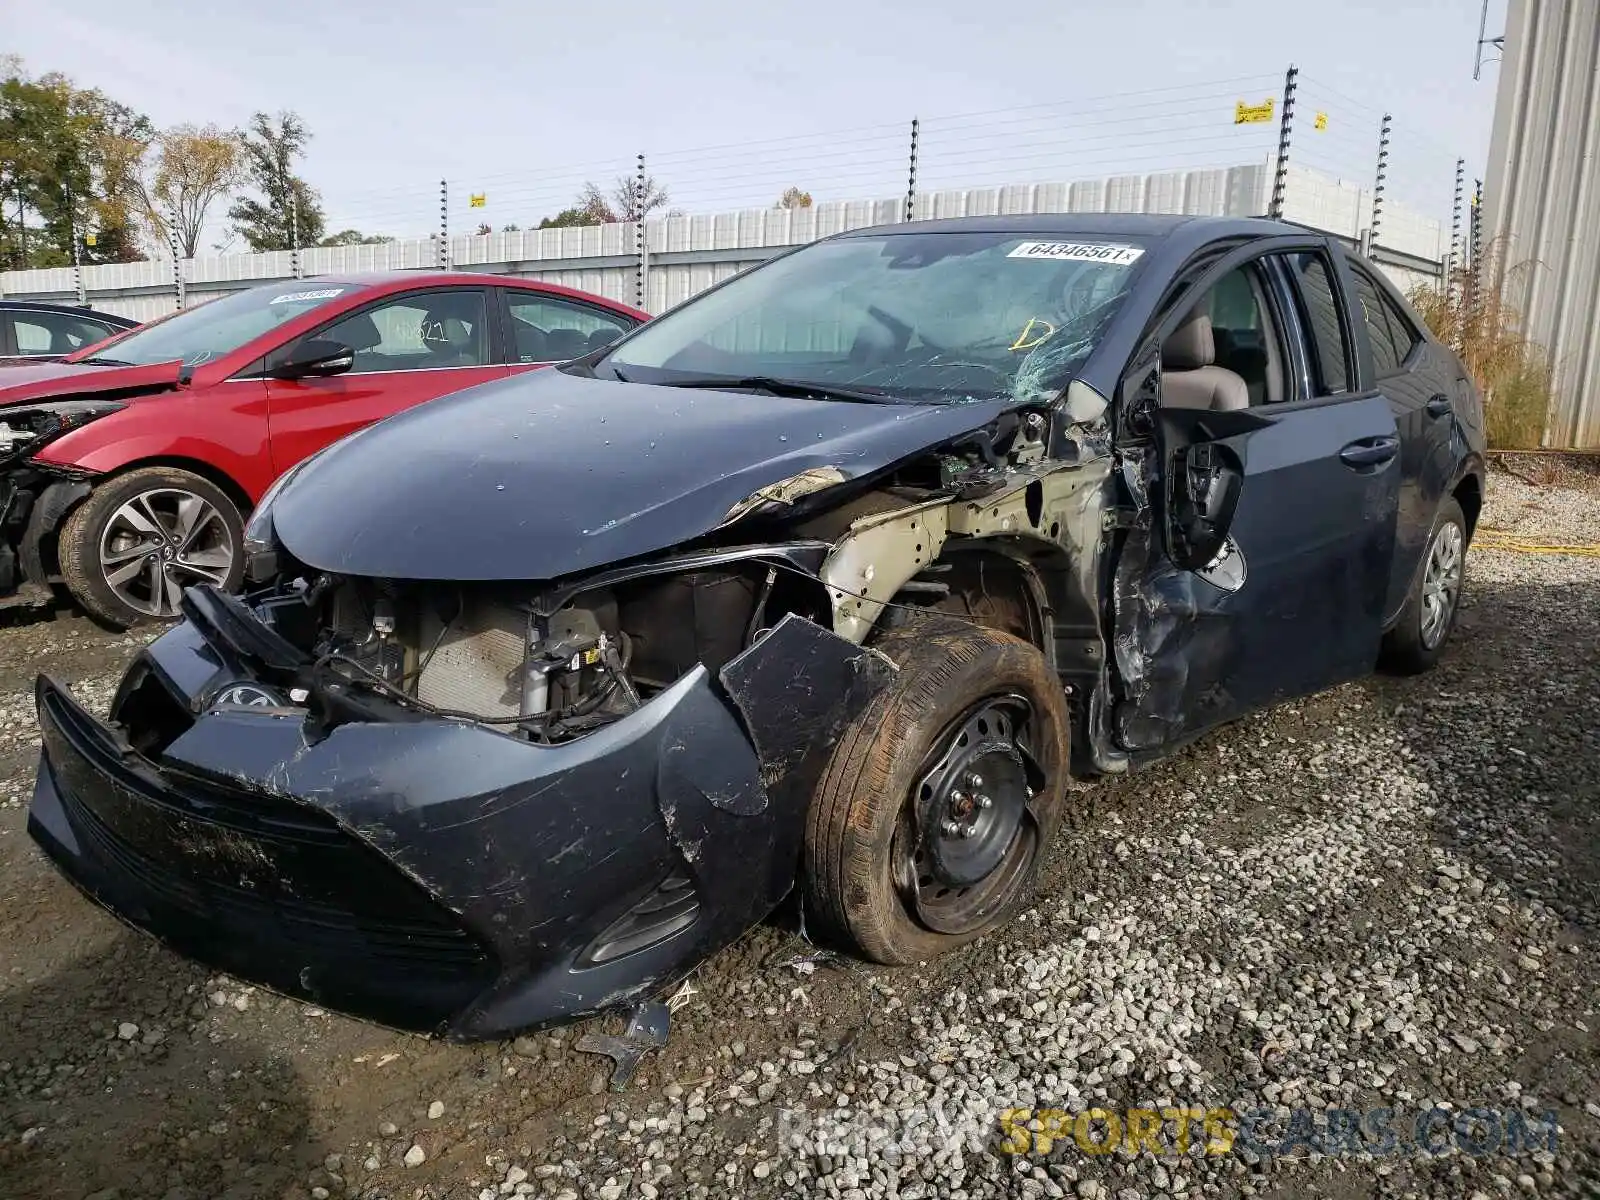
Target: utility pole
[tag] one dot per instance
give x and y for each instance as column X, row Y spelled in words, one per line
column 177, row 262
column 1280, row 177
column 444, row 225
column 1453, row 261
column 1378, row 181
column 911, row 185
column 294, row 233
column 77, row 244
column 640, row 250
column 1499, row 43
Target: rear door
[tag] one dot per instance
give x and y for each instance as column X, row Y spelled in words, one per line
column 409, row 348
column 542, row 328
column 1264, row 491
column 1419, row 378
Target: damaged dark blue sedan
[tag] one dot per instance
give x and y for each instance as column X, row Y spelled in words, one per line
column 825, row 581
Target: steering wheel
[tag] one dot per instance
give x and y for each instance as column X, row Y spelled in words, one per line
column 899, row 328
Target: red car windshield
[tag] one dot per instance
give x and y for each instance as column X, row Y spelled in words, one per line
column 198, row 335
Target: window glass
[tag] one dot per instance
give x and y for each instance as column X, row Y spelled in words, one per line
column 917, row 316
column 218, row 327
column 545, row 329
column 416, row 332
column 1241, row 332
column 1401, row 330
column 1330, row 352
column 55, row 333
column 1386, row 356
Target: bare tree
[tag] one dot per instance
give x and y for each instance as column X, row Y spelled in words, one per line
column 633, row 202
column 191, row 170
column 625, row 202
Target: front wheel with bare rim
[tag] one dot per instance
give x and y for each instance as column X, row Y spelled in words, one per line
column 129, row 550
column 933, row 817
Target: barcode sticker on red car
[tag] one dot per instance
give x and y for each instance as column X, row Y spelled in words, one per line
column 299, row 297
column 1117, row 256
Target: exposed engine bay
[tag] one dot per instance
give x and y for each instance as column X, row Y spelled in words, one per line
column 482, row 654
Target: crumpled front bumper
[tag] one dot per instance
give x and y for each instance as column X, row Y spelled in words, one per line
column 437, row 875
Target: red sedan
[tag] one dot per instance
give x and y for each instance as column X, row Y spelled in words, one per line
column 126, row 469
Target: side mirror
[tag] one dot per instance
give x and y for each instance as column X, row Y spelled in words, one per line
column 315, row 357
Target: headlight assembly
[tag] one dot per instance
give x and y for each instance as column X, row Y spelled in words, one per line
column 261, row 546
column 28, row 428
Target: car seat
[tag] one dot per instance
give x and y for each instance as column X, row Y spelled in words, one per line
column 450, row 340
column 562, row 344
column 1190, row 377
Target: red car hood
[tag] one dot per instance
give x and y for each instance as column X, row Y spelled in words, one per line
column 50, row 380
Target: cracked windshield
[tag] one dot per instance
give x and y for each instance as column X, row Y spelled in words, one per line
column 925, row 317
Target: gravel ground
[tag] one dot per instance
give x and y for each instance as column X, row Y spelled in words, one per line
column 1387, row 895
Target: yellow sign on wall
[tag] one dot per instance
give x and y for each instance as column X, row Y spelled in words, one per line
column 88, row 239
column 1254, row 114
column 1321, row 122
column 479, row 199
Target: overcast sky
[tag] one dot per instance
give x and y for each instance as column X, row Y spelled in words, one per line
column 731, row 101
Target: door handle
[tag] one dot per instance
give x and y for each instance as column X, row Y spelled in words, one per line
column 1439, row 405
column 1369, row 452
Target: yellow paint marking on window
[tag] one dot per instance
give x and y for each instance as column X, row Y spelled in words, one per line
column 1027, row 339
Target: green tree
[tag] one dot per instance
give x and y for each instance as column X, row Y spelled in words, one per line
column 354, row 237
column 567, row 218
column 192, row 169
column 68, row 167
column 271, row 145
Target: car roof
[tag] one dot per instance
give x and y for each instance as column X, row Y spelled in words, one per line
column 1152, row 226
column 408, row 278
column 435, row 278
column 75, row 310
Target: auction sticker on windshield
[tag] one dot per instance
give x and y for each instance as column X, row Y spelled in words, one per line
column 298, row 297
column 1102, row 252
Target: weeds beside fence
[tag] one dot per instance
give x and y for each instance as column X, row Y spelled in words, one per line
column 1469, row 311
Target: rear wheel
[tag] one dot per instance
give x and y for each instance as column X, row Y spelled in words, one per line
column 933, row 817
column 1418, row 637
column 130, row 549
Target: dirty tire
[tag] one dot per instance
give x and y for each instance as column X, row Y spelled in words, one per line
column 79, row 540
column 1405, row 650
column 946, row 666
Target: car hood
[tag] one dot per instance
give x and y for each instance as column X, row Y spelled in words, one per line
column 547, row 474
column 54, row 380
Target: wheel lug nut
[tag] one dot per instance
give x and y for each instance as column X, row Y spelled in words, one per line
column 968, row 830
column 985, row 802
column 952, row 829
column 974, row 780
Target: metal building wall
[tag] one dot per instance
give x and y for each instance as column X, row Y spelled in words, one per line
column 1542, row 198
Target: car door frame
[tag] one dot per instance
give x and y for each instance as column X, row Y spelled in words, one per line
column 262, row 366
column 1145, row 723
column 1425, row 436
column 508, row 342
